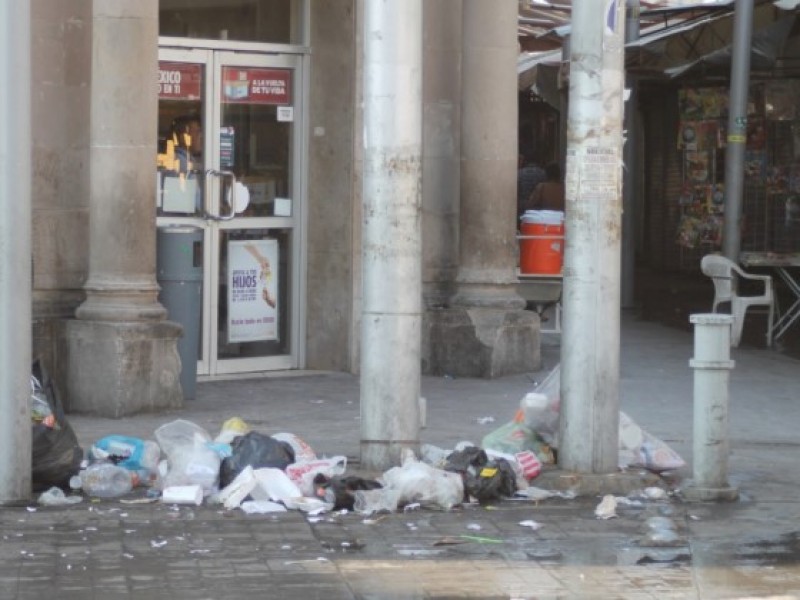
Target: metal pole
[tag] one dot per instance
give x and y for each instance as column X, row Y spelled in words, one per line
column 15, row 251
column 712, row 366
column 737, row 128
column 589, row 425
column 629, row 152
column 391, row 316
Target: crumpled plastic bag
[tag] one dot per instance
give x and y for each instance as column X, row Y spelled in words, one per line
column 303, row 452
column 303, row 473
column 340, row 491
column 131, row 453
column 416, row 482
column 56, row 454
column 257, row 450
column 540, row 408
column 190, row 458
column 231, row 429
column 539, row 412
column 514, row 437
column 638, row 448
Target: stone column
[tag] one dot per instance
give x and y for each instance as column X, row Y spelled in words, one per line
column 121, row 352
column 486, row 332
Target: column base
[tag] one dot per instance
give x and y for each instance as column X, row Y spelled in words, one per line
column 620, row 483
column 696, row 493
column 120, row 369
column 481, row 342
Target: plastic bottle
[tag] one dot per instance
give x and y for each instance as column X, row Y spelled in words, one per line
column 106, row 480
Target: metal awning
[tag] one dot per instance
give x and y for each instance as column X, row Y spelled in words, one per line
column 675, row 47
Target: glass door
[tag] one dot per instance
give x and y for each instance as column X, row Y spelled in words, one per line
column 229, row 162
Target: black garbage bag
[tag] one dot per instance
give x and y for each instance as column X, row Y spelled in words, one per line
column 257, row 450
column 484, row 479
column 56, row 454
column 493, row 481
column 340, row 490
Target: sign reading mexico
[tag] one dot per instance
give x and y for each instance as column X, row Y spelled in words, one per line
column 252, row 290
column 179, row 81
column 245, row 85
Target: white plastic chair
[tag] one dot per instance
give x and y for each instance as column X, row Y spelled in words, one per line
column 722, row 271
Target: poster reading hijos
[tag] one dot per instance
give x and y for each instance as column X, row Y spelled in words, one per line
column 252, row 290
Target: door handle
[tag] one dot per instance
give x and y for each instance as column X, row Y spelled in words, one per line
column 228, row 196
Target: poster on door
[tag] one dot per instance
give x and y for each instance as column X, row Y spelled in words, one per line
column 246, row 85
column 252, row 290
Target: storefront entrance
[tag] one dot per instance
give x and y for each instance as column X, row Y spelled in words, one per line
column 230, row 156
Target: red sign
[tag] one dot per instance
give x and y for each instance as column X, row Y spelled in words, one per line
column 179, row 81
column 244, row 85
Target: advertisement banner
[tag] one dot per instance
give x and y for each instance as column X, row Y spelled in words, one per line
column 179, row 81
column 252, row 290
column 244, row 85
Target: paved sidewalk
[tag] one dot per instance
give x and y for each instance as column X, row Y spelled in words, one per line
column 743, row 549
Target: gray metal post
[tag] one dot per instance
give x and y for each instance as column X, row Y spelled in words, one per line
column 15, row 251
column 391, row 316
column 737, row 128
column 712, row 366
column 589, row 424
column 629, row 179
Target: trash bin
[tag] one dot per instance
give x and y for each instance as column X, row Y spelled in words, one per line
column 179, row 263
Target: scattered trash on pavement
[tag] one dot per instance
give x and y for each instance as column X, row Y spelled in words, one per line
column 483, row 479
column 340, row 490
column 607, row 509
column 539, row 417
column 531, row 524
column 106, row 480
column 661, row 532
column 55, row 497
column 183, row 494
column 256, row 450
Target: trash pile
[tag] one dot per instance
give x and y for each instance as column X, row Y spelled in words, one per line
column 262, row 473
column 535, row 428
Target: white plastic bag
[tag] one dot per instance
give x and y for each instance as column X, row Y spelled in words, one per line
column 417, row 482
column 303, row 473
column 191, row 460
column 638, row 448
column 302, row 451
column 433, row 455
column 540, row 408
column 367, row 502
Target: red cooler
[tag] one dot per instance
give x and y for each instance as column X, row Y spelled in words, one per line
column 541, row 249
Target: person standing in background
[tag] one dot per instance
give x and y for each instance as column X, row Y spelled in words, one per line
column 529, row 175
column 549, row 194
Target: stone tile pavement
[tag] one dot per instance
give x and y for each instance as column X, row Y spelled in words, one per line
column 749, row 548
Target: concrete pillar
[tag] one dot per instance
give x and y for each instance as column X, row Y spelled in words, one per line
column 486, row 332
column 15, row 252
column 122, row 354
column 590, row 342
column 391, row 316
